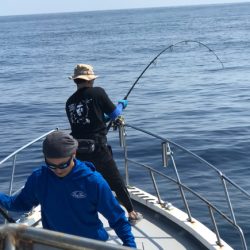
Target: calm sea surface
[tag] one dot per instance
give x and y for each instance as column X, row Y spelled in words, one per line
column 186, row 96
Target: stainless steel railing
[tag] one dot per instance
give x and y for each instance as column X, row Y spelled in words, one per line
column 14, row 155
column 14, row 236
column 167, row 155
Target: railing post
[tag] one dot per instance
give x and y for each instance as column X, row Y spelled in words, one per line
column 218, row 242
column 12, row 174
column 228, row 198
column 11, row 180
column 156, row 188
column 242, row 237
column 181, row 189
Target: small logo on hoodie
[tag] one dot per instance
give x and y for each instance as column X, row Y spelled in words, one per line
column 78, row 194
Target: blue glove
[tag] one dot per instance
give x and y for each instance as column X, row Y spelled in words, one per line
column 124, row 103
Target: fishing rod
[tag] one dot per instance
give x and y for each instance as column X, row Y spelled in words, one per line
column 170, row 47
column 6, row 216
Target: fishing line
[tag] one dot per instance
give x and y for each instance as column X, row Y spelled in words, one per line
column 170, row 47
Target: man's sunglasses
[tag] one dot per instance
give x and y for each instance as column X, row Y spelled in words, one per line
column 59, row 166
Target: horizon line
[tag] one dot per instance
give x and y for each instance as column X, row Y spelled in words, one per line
column 117, row 9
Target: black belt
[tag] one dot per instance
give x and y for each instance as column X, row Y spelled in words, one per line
column 88, row 145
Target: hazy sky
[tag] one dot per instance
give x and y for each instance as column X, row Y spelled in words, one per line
column 19, row 7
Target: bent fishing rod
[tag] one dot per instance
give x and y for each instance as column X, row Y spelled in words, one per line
column 170, row 47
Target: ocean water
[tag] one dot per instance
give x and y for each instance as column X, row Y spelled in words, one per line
column 186, row 96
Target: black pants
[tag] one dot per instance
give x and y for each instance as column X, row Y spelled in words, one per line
column 105, row 164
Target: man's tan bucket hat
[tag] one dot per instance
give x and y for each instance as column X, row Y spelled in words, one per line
column 83, row 71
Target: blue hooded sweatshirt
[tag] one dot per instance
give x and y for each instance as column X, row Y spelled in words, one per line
column 71, row 204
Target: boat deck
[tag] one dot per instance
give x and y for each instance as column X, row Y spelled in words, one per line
column 156, row 232
column 161, row 228
column 153, row 232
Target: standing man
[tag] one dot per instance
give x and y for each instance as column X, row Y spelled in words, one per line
column 87, row 110
column 71, row 193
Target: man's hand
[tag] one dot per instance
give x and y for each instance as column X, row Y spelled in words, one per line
column 124, row 103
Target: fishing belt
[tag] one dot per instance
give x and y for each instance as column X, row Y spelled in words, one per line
column 88, row 146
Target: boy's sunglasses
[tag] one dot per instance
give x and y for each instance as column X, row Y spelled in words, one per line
column 59, row 166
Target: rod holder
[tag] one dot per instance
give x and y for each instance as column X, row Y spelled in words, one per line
column 165, row 153
column 122, row 135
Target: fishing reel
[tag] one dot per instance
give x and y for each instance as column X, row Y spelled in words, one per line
column 119, row 121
